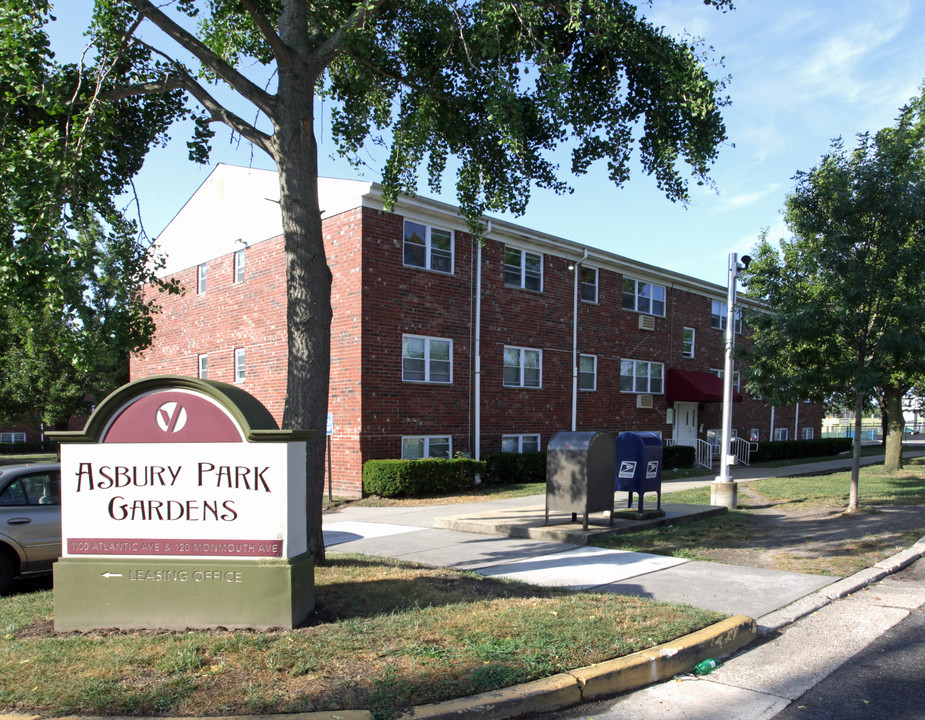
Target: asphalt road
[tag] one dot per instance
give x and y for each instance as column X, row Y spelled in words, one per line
column 885, row 680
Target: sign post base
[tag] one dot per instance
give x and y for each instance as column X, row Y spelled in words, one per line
column 175, row 593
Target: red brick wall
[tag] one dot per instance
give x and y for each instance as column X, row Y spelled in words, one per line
column 376, row 300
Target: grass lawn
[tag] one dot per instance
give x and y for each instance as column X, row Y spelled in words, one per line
column 387, row 636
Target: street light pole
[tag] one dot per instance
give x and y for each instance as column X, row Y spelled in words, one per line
column 724, row 490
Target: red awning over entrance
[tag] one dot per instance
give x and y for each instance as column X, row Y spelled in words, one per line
column 693, row 386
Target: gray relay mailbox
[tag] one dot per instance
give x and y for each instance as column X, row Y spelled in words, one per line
column 639, row 466
column 579, row 474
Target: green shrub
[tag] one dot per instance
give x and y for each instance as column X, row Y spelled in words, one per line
column 795, row 449
column 412, row 478
column 678, row 456
column 28, row 448
column 504, row 468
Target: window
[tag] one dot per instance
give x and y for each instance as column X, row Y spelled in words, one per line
column 715, row 439
column 13, row 437
column 520, row 443
column 203, row 367
column 643, row 297
column 238, row 266
column 753, row 435
column 735, row 376
column 522, row 367
column 523, row 269
column 588, row 276
column 781, row 434
column 640, row 376
column 718, row 316
column 201, row 285
column 426, row 359
column 239, row 365
column 806, row 433
column 418, row 448
column 687, row 342
column 427, row 247
column 587, row 372
column 34, row 489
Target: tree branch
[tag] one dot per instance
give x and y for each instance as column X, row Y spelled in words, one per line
column 332, row 46
column 250, row 91
column 282, row 51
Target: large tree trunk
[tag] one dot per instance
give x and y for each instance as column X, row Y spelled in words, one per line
column 308, row 281
column 892, row 408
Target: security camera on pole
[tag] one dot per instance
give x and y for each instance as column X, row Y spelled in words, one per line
column 724, row 490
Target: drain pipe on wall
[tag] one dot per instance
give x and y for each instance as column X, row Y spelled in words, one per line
column 478, row 347
column 577, row 268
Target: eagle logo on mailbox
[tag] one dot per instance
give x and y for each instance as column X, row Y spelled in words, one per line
column 652, row 469
column 627, row 468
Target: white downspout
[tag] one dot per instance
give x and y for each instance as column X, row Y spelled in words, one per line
column 771, row 439
column 796, row 423
column 575, row 342
column 478, row 347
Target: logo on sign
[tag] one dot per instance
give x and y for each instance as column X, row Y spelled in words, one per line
column 627, row 468
column 652, row 469
column 171, row 417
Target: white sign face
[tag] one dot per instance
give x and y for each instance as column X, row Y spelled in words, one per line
column 207, row 499
column 627, row 469
column 652, row 469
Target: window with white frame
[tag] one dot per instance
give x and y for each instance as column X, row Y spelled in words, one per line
column 719, row 372
column 201, row 281
column 806, row 433
column 428, row 247
column 687, row 342
column 523, row 367
column 203, row 367
column 781, row 434
column 520, row 443
column 588, row 279
column 715, row 439
column 426, row 446
column 643, row 297
column 640, row 376
column 587, row 372
column 12, row 437
column 426, row 359
column 523, row 269
column 238, row 266
column 239, row 365
column 718, row 316
column 753, row 435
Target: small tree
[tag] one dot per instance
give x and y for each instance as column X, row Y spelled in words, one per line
column 847, row 291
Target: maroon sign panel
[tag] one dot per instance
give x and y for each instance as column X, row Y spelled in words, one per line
column 172, row 416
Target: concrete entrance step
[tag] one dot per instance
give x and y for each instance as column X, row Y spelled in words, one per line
column 530, row 522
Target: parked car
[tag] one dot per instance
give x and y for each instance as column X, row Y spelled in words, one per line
column 30, row 520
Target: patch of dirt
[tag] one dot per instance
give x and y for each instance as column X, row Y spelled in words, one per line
column 821, row 540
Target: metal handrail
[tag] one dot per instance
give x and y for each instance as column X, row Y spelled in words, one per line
column 742, row 449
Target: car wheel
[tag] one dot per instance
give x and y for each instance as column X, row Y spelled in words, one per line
column 6, row 573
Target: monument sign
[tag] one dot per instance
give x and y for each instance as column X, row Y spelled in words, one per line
column 183, row 505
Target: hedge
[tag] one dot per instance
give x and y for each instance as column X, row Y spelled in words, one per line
column 411, row 478
column 678, row 456
column 790, row 449
column 28, row 448
column 509, row 467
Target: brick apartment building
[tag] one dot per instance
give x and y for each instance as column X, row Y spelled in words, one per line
column 442, row 346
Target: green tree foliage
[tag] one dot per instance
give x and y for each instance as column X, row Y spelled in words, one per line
column 71, row 266
column 496, row 86
column 848, row 289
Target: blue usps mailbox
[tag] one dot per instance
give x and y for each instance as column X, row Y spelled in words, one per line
column 639, row 466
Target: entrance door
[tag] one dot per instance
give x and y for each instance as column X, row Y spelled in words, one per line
column 685, row 423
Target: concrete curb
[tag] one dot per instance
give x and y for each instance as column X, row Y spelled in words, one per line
column 774, row 621
column 598, row 681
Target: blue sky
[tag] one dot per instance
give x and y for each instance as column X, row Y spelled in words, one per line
column 802, row 72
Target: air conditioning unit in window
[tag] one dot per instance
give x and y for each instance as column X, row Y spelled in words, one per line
column 644, row 402
column 646, row 322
